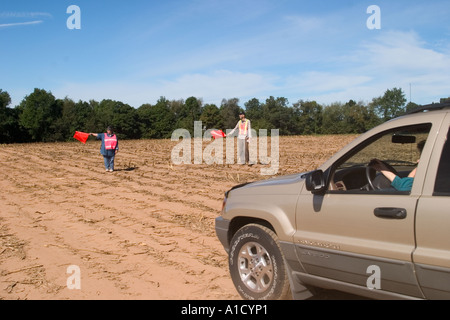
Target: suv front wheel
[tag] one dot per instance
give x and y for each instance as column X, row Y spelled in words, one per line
column 257, row 265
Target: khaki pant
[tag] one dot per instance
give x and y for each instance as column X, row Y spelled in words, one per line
column 243, row 151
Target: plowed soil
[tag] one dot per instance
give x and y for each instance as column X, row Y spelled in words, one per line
column 145, row 231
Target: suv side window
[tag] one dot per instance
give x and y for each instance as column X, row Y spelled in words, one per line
column 442, row 184
column 399, row 149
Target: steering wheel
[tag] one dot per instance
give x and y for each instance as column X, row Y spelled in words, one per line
column 369, row 169
column 369, row 179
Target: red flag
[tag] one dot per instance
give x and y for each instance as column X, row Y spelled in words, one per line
column 81, row 136
column 218, row 134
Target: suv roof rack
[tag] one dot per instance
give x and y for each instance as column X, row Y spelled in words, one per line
column 430, row 107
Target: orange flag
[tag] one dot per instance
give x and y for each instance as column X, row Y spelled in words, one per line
column 81, row 136
column 217, row 134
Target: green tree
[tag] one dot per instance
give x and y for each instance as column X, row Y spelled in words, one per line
column 10, row 130
column 5, row 100
column 38, row 114
column 5, row 117
column 390, row 105
column 254, row 111
column 125, row 121
column 74, row 117
column 358, row 117
column 211, row 117
column 190, row 112
column 103, row 114
column 279, row 116
column 158, row 121
column 145, row 119
column 229, row 113
column 333, row 119
column 176, row 107
column 308, row 116
column 121, row 116
column 348, row 118
column 411, row 106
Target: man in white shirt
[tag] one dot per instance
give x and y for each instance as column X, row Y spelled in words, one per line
column 244, row 138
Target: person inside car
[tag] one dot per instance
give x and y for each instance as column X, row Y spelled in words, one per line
column 398, row 183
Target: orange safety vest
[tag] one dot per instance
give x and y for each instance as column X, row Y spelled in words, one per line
column 243, row 127
column 110, row 142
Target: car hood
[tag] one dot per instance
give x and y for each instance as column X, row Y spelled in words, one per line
column 280, row 185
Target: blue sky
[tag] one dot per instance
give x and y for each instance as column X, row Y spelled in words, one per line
column 139, row 50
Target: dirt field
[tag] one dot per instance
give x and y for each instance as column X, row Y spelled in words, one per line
column 145, row 231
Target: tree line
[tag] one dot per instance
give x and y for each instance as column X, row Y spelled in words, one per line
column 40, row 117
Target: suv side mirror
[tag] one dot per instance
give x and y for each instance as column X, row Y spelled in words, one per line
column 315, row 182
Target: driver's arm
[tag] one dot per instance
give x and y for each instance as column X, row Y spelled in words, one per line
column 412, row 174
column 388, row 174
column 400, row 184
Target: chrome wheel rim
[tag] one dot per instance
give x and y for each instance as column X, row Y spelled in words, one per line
column 255, row 267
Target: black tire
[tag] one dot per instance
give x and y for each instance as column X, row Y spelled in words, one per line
column 257, row 265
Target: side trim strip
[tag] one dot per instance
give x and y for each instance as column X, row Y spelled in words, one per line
column 349, row 288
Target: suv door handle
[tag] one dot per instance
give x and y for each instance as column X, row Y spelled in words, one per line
column 390, row 213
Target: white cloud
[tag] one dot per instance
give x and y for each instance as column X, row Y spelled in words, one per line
column 392, row 59
column 305, row 24
column 218, row 85
column 405, row 51
column 212, row 88
column 23, row 15
column 398, row 59
column 5, row 25
column 322, row 82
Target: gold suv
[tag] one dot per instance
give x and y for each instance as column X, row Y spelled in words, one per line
column 373, row 220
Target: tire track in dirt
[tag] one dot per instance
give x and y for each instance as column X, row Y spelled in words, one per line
column 34, row 183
